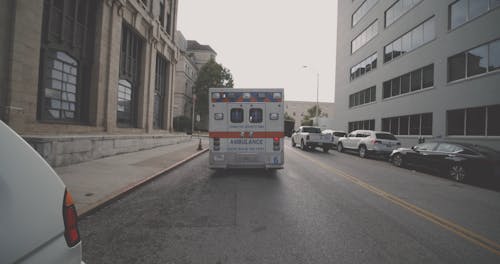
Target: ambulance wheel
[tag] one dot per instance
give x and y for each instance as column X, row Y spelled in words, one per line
column 293, row 143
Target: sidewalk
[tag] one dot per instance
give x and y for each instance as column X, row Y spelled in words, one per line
column 96, row 182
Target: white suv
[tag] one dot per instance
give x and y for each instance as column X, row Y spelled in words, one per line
column 369, row 142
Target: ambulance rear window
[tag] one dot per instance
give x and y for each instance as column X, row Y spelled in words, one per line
column 255, row 115
column 236, row 115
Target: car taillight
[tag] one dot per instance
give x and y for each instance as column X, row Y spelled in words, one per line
column 70, row 217
column 276, row 143
column 216, row 144
column 376, row 142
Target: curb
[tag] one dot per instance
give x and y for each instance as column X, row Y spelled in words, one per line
column 118, row 194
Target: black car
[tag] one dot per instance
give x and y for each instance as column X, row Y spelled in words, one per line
column 458, row 161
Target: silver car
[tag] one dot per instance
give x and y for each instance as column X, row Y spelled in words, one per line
column 38, row 219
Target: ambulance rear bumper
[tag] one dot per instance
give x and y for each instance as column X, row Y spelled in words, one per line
column 229, row 160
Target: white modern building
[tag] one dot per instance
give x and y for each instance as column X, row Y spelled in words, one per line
column 420, row 68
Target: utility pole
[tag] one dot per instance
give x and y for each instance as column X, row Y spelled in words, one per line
column 192, row 115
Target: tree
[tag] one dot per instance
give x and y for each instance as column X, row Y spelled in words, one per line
column 211, row 75
column 311, row 112
column 288, row 117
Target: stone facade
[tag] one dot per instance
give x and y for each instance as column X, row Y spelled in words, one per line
column 23, row 94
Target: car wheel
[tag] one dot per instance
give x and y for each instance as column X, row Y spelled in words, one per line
column 293, row 143
column 303, row 146
column 340, row 148
column 362, row 152
column 398, row 160
column 326, row 149
column 457, row 172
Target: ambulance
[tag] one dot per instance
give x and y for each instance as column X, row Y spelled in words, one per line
column 246, row 128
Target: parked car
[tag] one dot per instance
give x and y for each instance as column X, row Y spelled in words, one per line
column 335, row 135
column 38, row 218
column 369, row 142
column 310, row 137
column 458, row 161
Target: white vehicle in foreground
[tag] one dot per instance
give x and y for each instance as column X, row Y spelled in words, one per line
column 368, row 142
column 310, row 137
column 38, row 220
column 246, row 128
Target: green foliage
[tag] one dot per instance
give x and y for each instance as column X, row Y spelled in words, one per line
column 311, row 112
column 288, row 117
column 182, row 124
column 211, row 75
column 306, row 122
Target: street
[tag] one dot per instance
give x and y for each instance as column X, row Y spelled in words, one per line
column 321, row 208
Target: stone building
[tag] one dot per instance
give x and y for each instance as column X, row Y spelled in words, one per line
column 85, row 79
column 186, row 73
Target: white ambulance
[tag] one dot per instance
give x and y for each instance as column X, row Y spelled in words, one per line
column 246, row 128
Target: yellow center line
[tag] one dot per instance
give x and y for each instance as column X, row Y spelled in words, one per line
column 448, row 225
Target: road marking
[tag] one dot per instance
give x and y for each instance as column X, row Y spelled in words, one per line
column 448, row 225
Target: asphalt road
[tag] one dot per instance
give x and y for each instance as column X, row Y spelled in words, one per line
column 322, row 208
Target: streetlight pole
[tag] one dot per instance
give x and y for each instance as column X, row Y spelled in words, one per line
column 317, row 94
column 317, row 97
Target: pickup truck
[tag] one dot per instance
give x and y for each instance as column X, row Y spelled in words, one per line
column 309, row 137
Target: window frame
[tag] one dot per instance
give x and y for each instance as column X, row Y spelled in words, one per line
column 465, row 53
column 465, row 121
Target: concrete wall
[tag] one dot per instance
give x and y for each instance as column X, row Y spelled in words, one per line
column 480, row 91
column 66, row 150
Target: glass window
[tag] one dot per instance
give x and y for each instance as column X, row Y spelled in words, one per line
column 395, row 86
column 389, row 16
column 395, row 125
column 426, row 146
column 477, row 7
column 398, row 9
column 455, row 122
column 494, row 58
column 428, row 76
column 456, row 67
column 367, row 96
column 415, row 125
column 124, row 107
column 448, row 148
column 365, row 36
column 405, row 83
column 476, row 121
column 426, row 124
column 477, row 60
column 406, row 43
column 351, row 100
column 236, row 115
column 372, row 124
column 396, row 48
column 388, row 53
column 458, row 13
column 387, row 89
column 385, row 136
column 386, row 124
column 361, row 97
column 416, row 80
column 429, row 30
column 373, row 94
column 255, row 115
column 374, row 61
column 493, row 123
column 362, row 10
column 60, row 93
column 417, row 37
column 403, row 125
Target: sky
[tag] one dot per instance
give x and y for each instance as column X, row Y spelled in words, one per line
column 266, row 43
